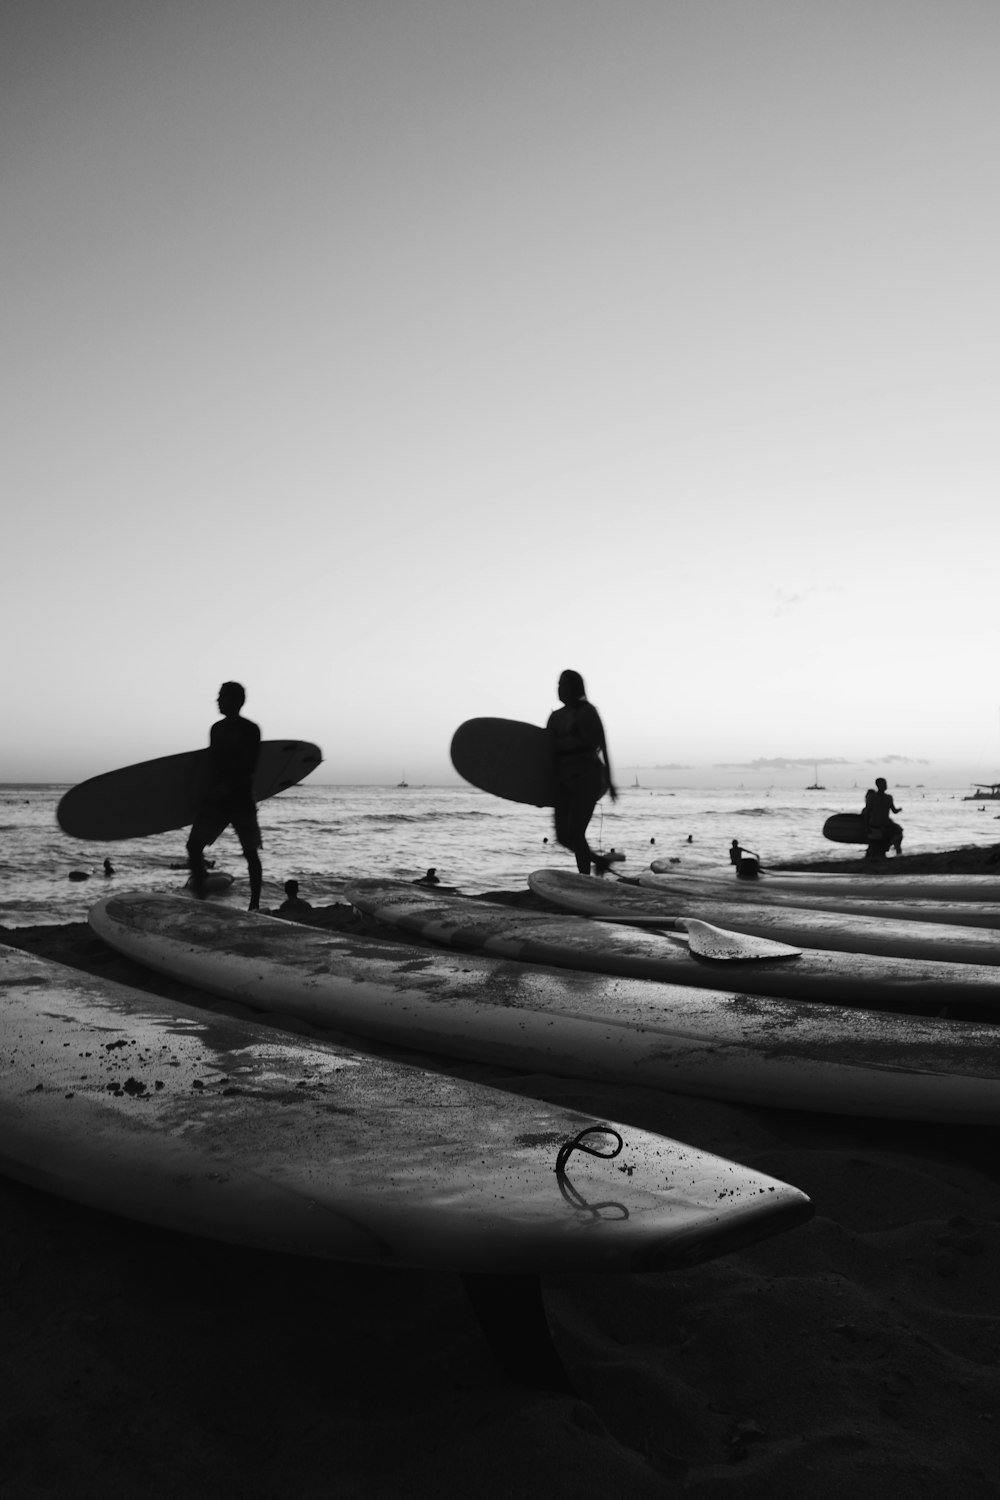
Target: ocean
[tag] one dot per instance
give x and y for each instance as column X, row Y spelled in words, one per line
column 326, row 835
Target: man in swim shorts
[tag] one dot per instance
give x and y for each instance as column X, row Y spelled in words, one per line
column 233, row 750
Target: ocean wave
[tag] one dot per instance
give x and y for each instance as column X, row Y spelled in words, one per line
column 741, row 812
column 433, row 815
column 334, row 821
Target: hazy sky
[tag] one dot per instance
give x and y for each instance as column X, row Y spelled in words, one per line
column 390, row 356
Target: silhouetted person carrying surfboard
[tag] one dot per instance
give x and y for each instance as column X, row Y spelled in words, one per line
column 233, row 748
column 883, row 833
column 583, row 770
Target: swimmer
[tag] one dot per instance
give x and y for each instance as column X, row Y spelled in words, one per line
column 293, row 902
column 431, row 878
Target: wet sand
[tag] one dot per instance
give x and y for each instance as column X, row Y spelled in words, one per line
column 858, row 1352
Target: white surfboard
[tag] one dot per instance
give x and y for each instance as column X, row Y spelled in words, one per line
column 686, row 951
column 200, row 1122
column 646, row 900
column 882, row 884
column 917, row 907
column 718, row 1044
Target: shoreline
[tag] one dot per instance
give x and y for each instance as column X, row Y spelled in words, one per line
column 847, row 1356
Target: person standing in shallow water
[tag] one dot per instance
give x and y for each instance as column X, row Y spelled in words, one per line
column 233, row 751
column 583, row 770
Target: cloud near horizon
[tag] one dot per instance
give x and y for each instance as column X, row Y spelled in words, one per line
column 785, row 763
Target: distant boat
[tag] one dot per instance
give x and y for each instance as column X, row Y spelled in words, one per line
column 986, row 791
column 816, row 786
column 635, row 785
column 404, row 781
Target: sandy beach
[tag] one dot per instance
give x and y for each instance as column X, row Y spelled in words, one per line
column 852, row 1354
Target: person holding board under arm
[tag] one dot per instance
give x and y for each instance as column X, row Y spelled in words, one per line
column 883, row 833
column 583, row 770
column 233, row 749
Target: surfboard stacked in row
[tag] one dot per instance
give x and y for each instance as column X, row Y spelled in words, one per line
column 719, row 1042
column 653, row 900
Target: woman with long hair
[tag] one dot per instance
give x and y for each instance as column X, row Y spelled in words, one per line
column 583, row 770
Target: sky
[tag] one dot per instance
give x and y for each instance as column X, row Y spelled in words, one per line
column 389, row 356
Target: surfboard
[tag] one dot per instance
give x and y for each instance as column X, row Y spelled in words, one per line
column 644, row 899
column 201, row 1122
column 510, row 759
column 846, row 828
column 881, row 884
column 722, row 886
column 716, row 1044
column 445, row 916
column 156, row 796
column 683, row 956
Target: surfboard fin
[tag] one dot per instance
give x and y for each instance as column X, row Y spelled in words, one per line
column 731, row 947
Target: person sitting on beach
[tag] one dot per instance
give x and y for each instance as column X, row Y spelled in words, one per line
column 583, row 770
column 883, row 834
column 233, row 749
column 293, row 902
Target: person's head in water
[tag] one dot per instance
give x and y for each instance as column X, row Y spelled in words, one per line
column 571, row 688
column 231, row 697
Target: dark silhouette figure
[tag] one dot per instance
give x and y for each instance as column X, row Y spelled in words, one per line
column 233, row 749
column 109, row 868
column 746, row 862
column 431, row 878
column 583, row 770
column 883, row 833
column 293, row 902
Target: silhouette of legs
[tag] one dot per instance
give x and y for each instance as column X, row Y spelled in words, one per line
column 207, row 827
column 576, row 799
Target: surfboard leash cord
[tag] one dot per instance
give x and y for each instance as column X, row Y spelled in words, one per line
column 578, row 1143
